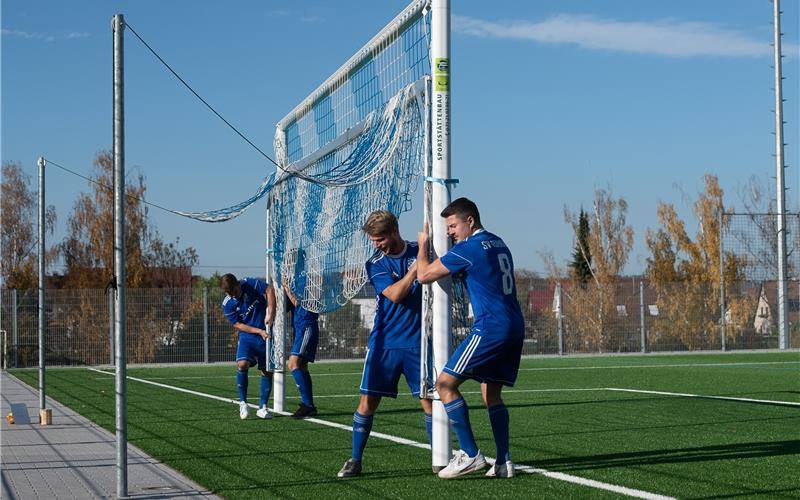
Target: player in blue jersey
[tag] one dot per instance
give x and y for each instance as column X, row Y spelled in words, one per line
column 304, row 349
column 491, row 352
column 394, row 343
column 249, row 305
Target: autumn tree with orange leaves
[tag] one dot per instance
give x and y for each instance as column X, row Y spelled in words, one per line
column 685, row 273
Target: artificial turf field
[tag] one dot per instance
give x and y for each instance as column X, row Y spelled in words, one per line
column 703, row 426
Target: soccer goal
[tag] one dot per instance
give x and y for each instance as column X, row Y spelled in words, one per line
column 369, row 137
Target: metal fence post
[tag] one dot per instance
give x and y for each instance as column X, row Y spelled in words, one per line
column 205, row 325
column 722, row 333
column 14, row 327
column 110, row 326
column 642, row 330
column 560, row 317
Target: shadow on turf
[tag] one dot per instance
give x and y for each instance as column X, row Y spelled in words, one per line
column 678, row 455
column 748, row 493
column 350, row 483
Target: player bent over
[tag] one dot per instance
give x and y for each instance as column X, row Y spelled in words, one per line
column 249, row 305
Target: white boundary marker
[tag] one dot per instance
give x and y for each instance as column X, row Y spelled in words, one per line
column 622, row 490
column 701, row 396
column 669, row 365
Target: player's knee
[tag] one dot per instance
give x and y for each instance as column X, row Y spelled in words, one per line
column 368, row 405
column 445, row 386
column 243, row 365
column 295, row 362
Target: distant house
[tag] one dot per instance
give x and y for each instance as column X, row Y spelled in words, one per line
column 763, row 322
column 766, row 313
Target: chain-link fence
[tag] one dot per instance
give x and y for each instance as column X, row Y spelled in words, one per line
column 182, row 325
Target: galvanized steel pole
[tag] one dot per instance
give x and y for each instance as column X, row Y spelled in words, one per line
column 783, row 298
column 642, row 332
column 723, row 335
column 118, row 26
column 42, row 320
column 205, row 324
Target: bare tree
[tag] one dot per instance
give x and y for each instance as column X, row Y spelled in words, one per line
column 592, row 309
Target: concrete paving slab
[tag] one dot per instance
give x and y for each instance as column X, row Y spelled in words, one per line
column 73, row 458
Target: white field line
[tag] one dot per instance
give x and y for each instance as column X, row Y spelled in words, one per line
column 701, row 396
column 620, row 367
column 674, row 365
column 408, row 442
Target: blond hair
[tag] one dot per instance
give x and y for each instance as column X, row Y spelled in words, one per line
column 381, row 222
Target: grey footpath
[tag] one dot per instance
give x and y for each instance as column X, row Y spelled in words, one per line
column 73, row 458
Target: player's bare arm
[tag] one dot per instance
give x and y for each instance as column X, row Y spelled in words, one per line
column 427, row 271
column 242, row 327
column 400, row 290
column 270, row 296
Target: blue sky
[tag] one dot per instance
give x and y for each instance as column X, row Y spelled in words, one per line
column 551, row 100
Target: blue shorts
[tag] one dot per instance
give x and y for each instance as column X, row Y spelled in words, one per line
column 487, row 359
column 382, row 370
column 306, row 339
column 253, row 349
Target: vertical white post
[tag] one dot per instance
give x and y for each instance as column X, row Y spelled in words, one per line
column 42, row 398
column 783, row 298
column 278, row 334
column 118, row 26
column 440, row 62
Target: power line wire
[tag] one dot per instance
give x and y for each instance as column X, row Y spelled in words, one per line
column 110, row 188
column 198, row 95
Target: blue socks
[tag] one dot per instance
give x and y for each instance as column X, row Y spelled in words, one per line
column 429, row 427
column 264, row 390
column 241, row 384
column 458, row 413
column 302, row 380
column 498, row 416
column 362, row 426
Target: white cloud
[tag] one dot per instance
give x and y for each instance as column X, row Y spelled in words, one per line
column 33, row 35
column 664, row 37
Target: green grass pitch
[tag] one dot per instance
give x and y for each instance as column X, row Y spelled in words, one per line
column 567, row 416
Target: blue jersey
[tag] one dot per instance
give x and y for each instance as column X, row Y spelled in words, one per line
column 251, row 307
column 487, row 262
column 397, row 326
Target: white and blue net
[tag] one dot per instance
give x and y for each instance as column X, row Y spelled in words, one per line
column 355, row 145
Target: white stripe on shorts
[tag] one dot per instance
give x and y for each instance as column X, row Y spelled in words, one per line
column 467, row 354
column 304, row 344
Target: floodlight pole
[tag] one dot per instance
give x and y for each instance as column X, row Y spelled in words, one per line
column 118, row 26
column 42, row 398
column 783, row 320
column 440, row 169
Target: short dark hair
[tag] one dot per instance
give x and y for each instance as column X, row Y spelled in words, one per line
column 228, row 282
column 463, row 208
